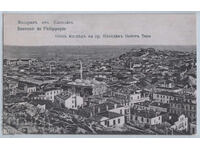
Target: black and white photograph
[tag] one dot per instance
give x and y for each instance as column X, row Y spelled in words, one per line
column 99, row 74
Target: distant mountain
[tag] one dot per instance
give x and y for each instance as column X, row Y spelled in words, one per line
column 68, row 51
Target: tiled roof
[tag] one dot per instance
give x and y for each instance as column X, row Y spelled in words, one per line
column 110, row 115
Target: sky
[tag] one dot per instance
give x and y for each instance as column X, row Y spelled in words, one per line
column 164, row 29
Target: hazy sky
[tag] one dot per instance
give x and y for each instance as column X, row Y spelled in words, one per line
column 165, row 29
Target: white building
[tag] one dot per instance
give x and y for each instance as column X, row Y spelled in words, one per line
column 181, row 124
column 109, row 119
column 51, row 93
column 138, row 97
column 164, row 96
column 146, row 117
column 30, row 88
column 74, row 102
column 70, row 101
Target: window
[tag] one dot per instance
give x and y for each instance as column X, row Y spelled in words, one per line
column 114, row 122
column 120, row 111
column 108, row 123
column 118, row 121
column 105, row 122
column 142, row 119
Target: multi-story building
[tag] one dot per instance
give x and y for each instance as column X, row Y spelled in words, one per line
column 164, row 96
column 50, row 93
column 88, row 87
column 159, row 107
column 30, row 88
column 181, row 124
column 109, row 119
column 184, row 105
column 68, row 100
column 146, row 117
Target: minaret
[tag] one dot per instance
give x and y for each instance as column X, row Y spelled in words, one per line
column 81, row 70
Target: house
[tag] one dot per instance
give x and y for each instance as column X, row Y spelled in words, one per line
column 50, row 93
column 88, row 87
column 184, row 105
column 108, row 106
column 41, row 107
column 166, row 84
column 122, row 110
column 146, row 117
column 135, row 97
column 159, row 107
column 139, row 96
column 164, row 96
column 11, row 86
column 142, row 105
column 30, row 88
column 109, row 119
column 68, row 100
column 181, row 124
column 26, row 87
column 94, row 100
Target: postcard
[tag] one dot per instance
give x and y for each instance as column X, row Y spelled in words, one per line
column 99, row 74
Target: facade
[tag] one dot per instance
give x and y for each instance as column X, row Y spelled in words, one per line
column 181, row 124
column 12, row 87
column 30, row 89
column 109, row 119
column 164, row 96
column 138, row 97
column 123, row 110
column 135, row 97
column 159, row 107
column 74, row 102
column 142, row 105
column 68, row 100
column 99, row 88
column 146, row 117
column 88, row 87
column 184, row 105
column 51, row 93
